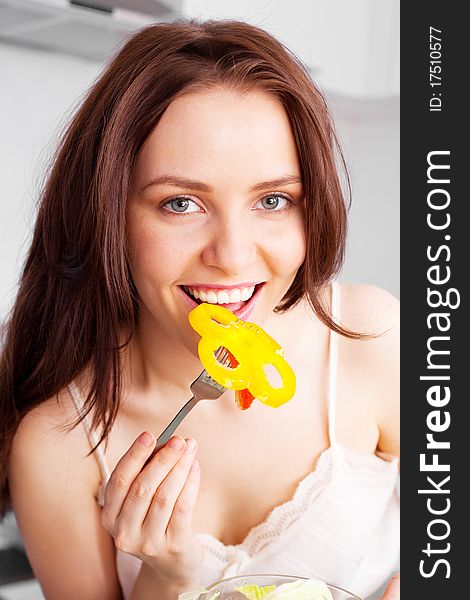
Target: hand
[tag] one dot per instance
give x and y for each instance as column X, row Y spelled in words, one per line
column 148, row 510
column 392, row 591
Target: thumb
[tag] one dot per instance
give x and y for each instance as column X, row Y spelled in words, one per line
column 392, row 591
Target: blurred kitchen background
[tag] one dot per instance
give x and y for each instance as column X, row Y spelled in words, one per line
column 52, row 50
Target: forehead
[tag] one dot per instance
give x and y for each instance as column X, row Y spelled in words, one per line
column 212, row 133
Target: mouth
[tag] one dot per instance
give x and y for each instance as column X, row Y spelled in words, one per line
column 239, row 300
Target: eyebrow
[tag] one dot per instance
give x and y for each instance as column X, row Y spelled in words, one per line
column 203, row 187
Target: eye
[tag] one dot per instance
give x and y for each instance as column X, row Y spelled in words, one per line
column 273, row 203
column 181, row 205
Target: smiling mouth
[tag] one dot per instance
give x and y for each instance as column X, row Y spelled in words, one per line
column 233, row 299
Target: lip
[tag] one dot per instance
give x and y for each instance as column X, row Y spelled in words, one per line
column 242, row 313
column 246, row 310
column 209, row 286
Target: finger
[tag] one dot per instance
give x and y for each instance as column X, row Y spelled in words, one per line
column 141, row 491
column 392, row 591
column 180, row 524
column 123, row 475
column 163, row 502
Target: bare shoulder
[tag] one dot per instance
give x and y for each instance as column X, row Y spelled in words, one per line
column 369, row 309
column 52, row 484
column 44, row 446
column 371, row 366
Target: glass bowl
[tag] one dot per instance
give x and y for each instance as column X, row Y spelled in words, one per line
column 227, row 590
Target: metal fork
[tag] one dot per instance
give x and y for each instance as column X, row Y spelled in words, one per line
column 202, row 388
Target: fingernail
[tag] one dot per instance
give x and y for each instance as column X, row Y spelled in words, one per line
column 146, row 439
column 191, row 445
column 177, row 443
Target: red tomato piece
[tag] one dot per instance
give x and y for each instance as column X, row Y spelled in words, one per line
column 244, row 399
column 233, row 360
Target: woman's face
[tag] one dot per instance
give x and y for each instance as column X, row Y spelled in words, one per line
column 216, row 210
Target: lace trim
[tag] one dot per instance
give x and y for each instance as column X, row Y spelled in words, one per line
column 280, row 518
column 367, row 464
column 306, row 494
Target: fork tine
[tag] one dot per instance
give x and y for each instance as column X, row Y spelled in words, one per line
column 222, row 355
column 220, row 352
column 224, row 359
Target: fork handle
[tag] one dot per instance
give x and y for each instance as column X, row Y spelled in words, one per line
column 170, row 429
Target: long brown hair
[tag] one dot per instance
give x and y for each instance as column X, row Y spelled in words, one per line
column 76, row 294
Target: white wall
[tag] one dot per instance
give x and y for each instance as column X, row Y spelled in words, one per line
column 370, row 132
column 352, row 47
column 40, row 89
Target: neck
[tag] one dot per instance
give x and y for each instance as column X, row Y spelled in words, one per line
column 158, row 365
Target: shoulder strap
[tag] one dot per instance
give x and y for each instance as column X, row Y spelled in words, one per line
column 77, row 399
column 333, row 363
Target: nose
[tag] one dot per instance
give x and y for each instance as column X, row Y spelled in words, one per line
column 232, row 247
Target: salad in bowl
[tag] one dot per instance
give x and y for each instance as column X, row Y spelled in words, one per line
column 269, row 587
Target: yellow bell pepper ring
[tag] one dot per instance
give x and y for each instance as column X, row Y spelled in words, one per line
column 252, row 350
column 262, row 389
column 233, row 378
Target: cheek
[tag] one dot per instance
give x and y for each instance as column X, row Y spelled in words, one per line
column 154, row 256
column 287, row 249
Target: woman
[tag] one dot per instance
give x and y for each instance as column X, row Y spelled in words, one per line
column 201, row 166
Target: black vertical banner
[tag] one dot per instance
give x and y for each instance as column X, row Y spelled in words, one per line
column 435, row 252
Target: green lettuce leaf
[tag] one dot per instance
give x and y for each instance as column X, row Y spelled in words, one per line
column 310, row 589
column 255, row 592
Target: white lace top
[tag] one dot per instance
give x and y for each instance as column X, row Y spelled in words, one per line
column 341, row 526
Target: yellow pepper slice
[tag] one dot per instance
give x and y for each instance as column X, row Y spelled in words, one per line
column 252, row 348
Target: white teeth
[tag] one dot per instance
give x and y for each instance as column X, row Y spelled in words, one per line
column 235, row 295
column 222, row 296
column 247, row 293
